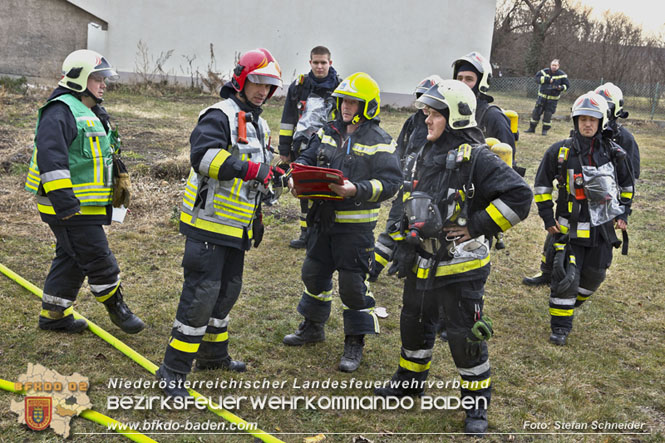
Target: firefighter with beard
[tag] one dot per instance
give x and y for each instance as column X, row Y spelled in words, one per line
column 412, row 136
column 308, row 106
column 71, row 172
column 621, row 136
column 221, row 218
column 595, row 191
column 457, row 194
column 553, row 82
column 342, row 231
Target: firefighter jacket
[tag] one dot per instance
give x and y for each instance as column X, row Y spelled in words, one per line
column 218, row 206
column 71, row 166
column 469, row 184
column 625, row 139
column 307, row 108
column 553, row 90
column 367, row 159
column 564, row 162
column 413, row 134
column 493, row 122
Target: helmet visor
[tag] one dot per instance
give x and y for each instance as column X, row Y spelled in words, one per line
column 105, row 74
column 263, row 79
column 103, row 69
column 427, row 100
column 590, row 112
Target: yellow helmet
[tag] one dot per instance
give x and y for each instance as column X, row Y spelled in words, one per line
column 363, row 88
column 78, row 66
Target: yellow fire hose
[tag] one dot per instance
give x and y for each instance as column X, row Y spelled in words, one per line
column 95, row 417
column 144, row 362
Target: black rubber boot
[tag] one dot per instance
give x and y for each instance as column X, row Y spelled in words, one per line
column 300, row 242
column 541, row 278
column 558, row 336
column 401, row 386
column 174, row 382
column 532, row 128
column 122, row 316
column 353, row 353
column 545, row 131
column 475, row 422
column 226, row 364
column 308, row 332
column 66, row 324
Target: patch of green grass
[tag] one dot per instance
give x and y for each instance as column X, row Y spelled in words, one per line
column 611, row 370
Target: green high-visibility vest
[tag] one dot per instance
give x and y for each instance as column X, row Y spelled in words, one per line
column 90, row 173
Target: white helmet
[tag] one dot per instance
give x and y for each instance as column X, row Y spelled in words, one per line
column 78, row 66
column 426, row 83
column 612, row 93
column 481, row 64
column 593, row 105
column 455, row 96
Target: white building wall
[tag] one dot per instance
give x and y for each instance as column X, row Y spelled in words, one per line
column 398, row 42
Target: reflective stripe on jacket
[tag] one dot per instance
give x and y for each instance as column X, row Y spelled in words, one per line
column 230, row 205
column 90, row 164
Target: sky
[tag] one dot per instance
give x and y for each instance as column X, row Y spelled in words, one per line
column 648, row 13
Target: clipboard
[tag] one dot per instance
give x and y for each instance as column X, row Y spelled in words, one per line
column 312, row 181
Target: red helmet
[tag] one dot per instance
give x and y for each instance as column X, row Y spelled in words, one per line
column 259, row 66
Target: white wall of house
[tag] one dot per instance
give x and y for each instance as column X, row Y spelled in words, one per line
column 398, row 42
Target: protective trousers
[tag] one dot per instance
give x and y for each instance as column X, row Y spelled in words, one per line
column 463, row 305
column 544, row 107
column 213, row 279
column 80, row 251
column 591, row 264
column 548, row 255
column 304, row 207
column 350, row 254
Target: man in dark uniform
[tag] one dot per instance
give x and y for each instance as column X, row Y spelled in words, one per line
column 553, row 82
column 595, row 191
column 71, row 172
column 342, row 236
column 475, row 71
column 621, row 136
column 456, row 195
column 412, row 136
column 307, row 108
column 221, row 217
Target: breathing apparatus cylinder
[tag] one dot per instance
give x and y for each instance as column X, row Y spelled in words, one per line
column 504, row 151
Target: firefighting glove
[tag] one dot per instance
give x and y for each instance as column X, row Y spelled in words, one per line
column 258, row 171
column 122, row 185
column 482, row 330
column 403, row 257
column 258, row 229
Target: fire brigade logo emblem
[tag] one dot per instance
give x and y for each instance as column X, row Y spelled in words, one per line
column 38, row 412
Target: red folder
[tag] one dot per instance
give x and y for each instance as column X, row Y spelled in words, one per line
column 312, row 181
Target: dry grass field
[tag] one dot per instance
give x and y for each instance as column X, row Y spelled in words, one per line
column 612, row 370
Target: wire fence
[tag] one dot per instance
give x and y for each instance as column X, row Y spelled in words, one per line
column 643, row 98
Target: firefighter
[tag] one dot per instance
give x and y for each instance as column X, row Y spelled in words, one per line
column 553, row 82
column 475, row 71
column 412, row 136
column 455, row 196
column 71, row 172
column 341, row 237
column 595, row 190
column 221, row 217
column 307, row 107
column 622, row 136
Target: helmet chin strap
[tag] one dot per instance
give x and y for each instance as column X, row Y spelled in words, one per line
column 87, row 92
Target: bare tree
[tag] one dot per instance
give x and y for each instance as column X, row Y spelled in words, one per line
column 543, row 16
